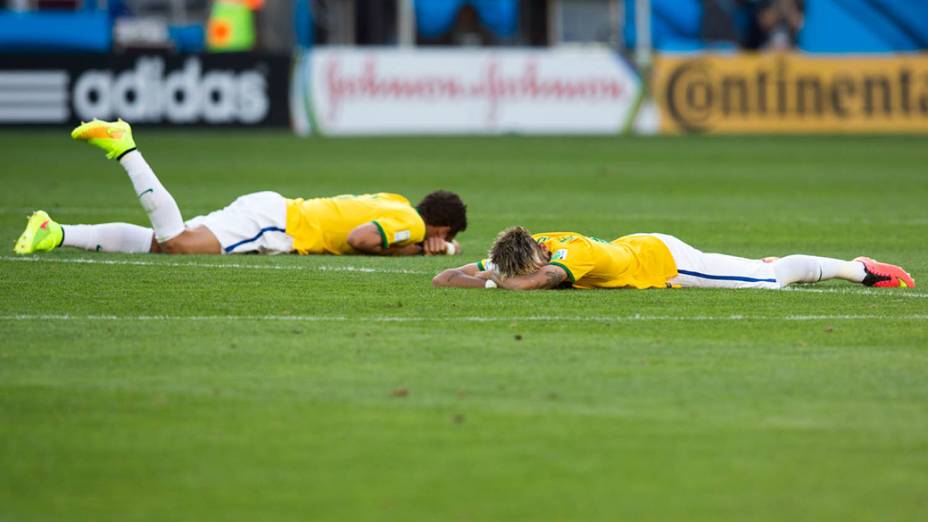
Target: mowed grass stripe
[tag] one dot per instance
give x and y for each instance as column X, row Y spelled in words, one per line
column 232, row 266
column 372, row 270
column 689, row 217
column 475, row 319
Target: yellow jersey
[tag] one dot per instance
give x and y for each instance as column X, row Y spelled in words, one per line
column 633, row 261
column 322, row 225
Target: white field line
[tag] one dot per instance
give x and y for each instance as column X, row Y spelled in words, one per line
column 469, row 319
column 688, row 218
column 100, row 210
column 97, row 210
column 857, row 291
column 370, row 270
column 234, row 266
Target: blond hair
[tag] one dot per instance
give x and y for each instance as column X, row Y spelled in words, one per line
column 515, row 253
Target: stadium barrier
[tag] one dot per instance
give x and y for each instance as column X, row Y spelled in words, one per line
column 349, row 91
column 357, row 91
column 149, row 88
column 792, row 93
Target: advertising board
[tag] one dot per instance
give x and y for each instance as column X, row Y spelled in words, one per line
column 345, row 91
column 792, row 93
column 150, row 88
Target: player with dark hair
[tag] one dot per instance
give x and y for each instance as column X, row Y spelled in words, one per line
column 519, row 260
column 263, row 222
column 443, row 208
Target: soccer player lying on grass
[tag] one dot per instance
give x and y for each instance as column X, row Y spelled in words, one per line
column 264, row 222
column 521, row 261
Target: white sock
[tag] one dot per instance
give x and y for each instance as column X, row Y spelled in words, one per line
column 812, row 269
column 108, row 237
column 162, row 210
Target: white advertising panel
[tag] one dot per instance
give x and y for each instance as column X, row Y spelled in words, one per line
column 344, row 91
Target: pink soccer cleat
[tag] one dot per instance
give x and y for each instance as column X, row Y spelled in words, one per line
column 885, row 275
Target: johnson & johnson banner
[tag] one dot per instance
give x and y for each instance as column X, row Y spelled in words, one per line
column 342, row 91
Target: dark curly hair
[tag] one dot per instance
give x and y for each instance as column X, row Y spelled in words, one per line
column 444, row 209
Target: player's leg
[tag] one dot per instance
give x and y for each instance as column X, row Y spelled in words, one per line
column 170, row 233
column 195, row 240
column 133, row 239
column 253, row 223
column 109, row 237
column 697, row 269
column 116, row 139
column 43, row 234
column 812, row 269
column 168, row 228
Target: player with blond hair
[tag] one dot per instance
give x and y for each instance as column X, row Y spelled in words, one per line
column 519, row 260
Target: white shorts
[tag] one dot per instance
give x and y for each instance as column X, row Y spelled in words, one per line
column 253, row 223
column 697, row 269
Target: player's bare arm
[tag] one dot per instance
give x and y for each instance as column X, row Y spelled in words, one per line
column 367, row 239
column 470, row 276
column 548, row 276
column 467, row 276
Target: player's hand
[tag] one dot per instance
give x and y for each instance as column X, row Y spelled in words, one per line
column 434, row 246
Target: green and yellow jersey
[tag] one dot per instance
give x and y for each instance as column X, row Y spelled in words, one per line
column 322, row 225
column 634, row 261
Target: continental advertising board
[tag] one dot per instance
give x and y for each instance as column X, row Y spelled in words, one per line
column 147, row 88
column 792, row 93
column 349, row 91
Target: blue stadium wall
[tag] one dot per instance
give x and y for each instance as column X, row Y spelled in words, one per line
column 831, row 26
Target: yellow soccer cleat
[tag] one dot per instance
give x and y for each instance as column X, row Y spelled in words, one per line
column 41, row 235
column 115, row 138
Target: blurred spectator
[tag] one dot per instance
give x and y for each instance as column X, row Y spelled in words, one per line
column 466, row 30
column 773, row 24
column 718, row 21
column 467, row 22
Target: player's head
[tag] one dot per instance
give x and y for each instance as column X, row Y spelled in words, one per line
column 516, row 253
column 443, row 212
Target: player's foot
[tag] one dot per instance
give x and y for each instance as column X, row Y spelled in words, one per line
column 115, row 138
column 885, row 275
column 41, row 235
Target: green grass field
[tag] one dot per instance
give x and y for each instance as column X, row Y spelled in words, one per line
column 284, row 388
